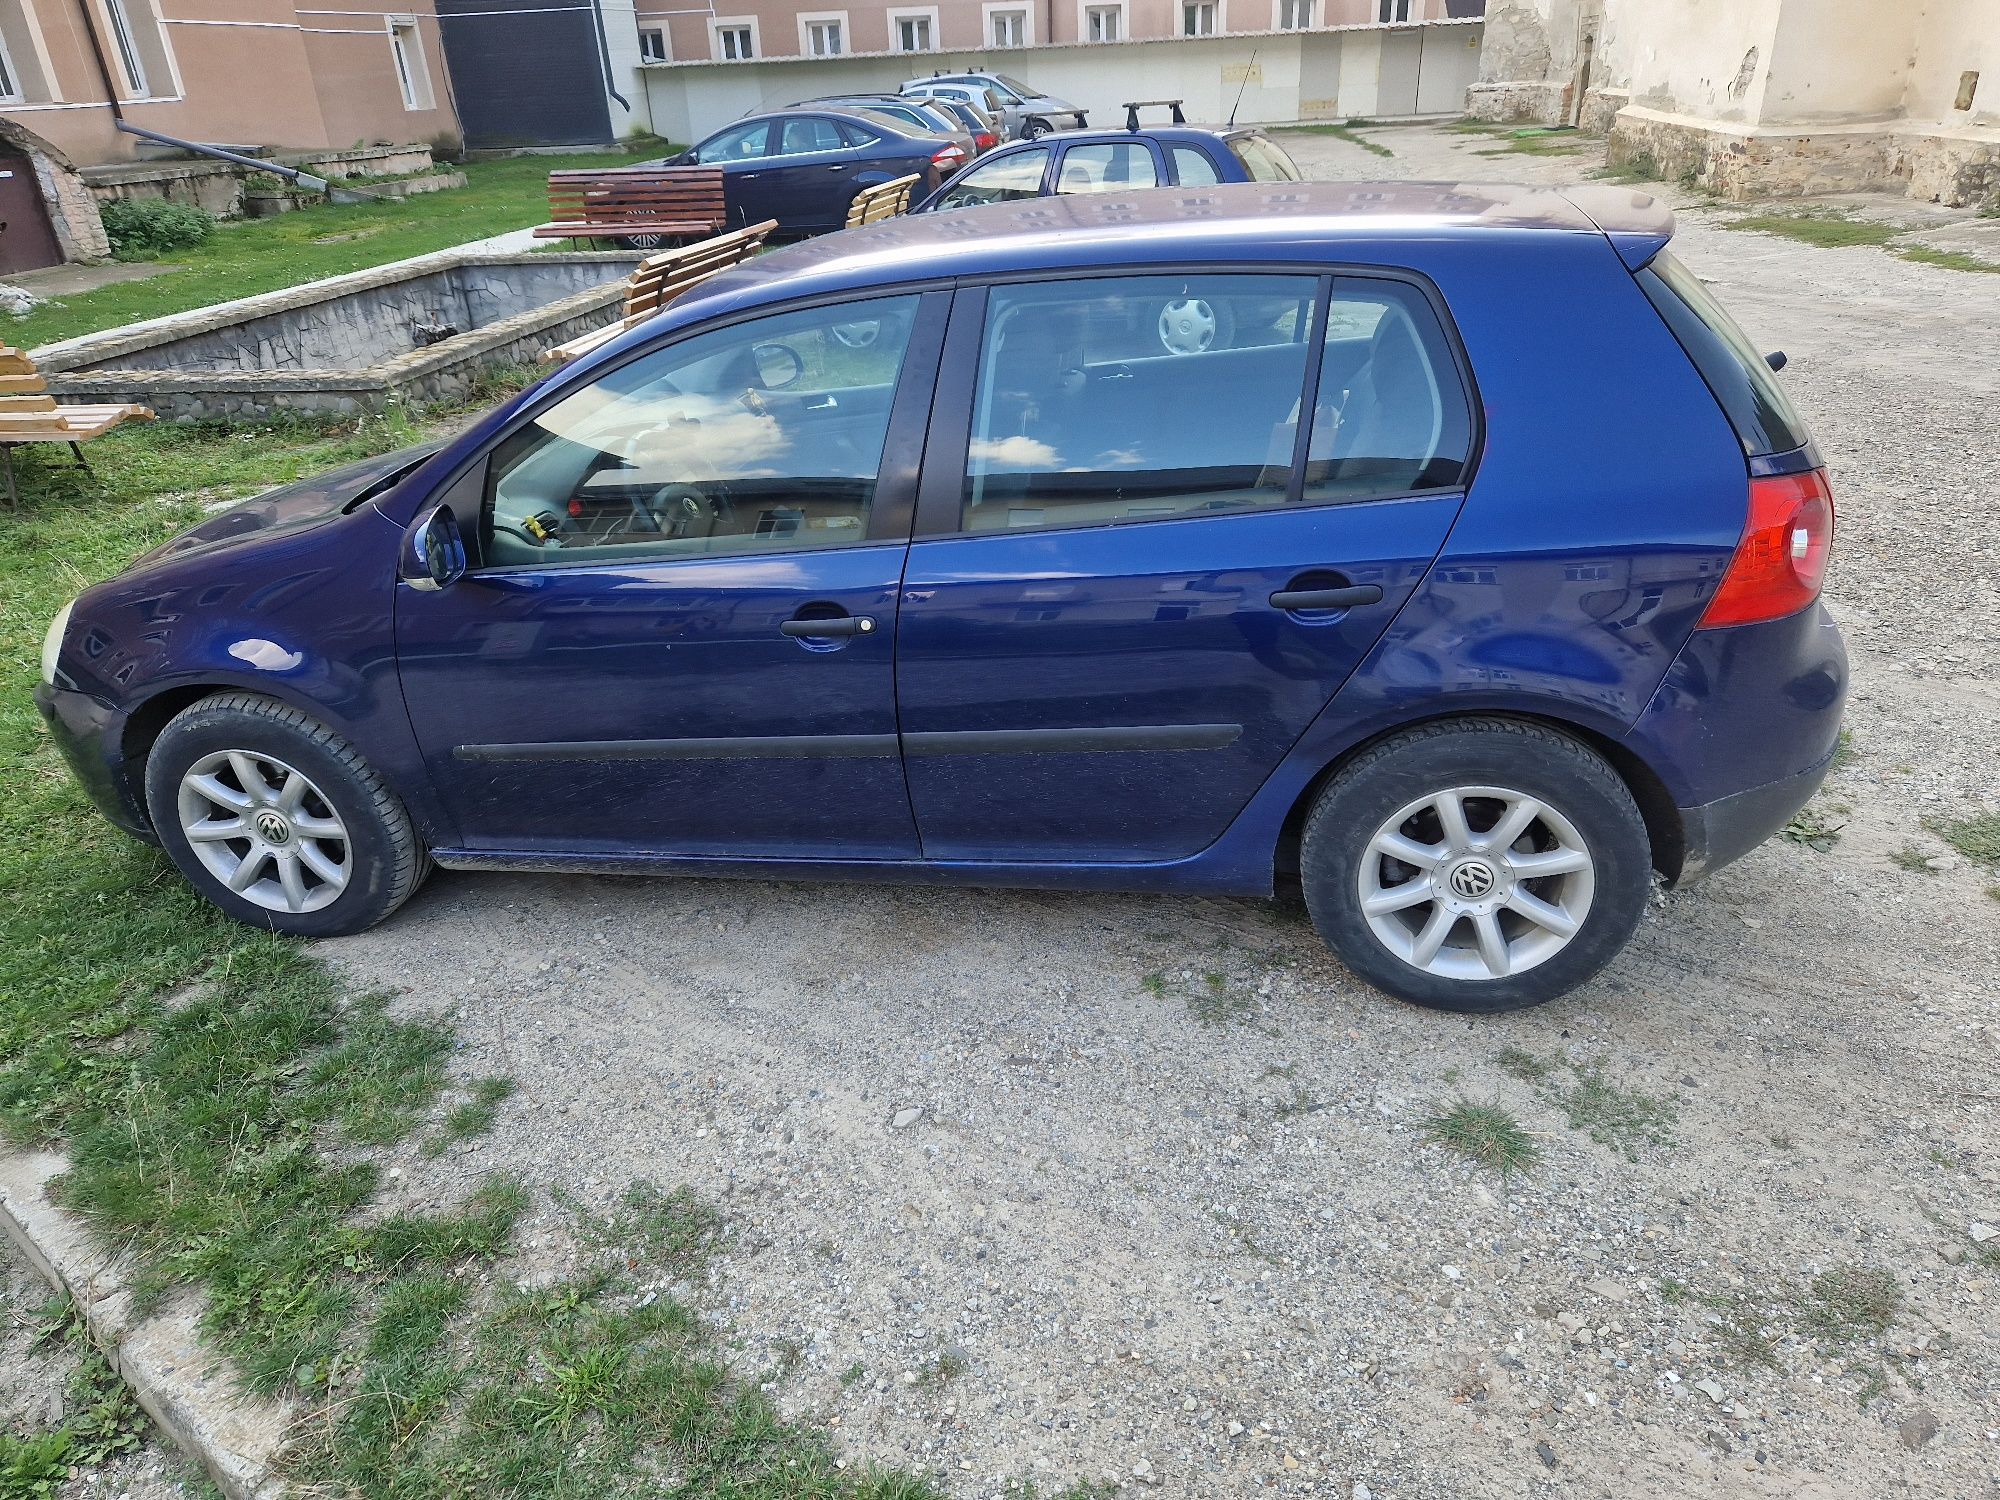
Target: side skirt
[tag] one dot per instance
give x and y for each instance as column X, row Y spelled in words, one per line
column 1199, row 874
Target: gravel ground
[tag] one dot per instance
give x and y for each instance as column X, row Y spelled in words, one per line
column 1087, row 1185
column 33, row 1377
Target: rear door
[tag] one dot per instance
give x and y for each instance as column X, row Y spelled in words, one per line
column 1137, row 575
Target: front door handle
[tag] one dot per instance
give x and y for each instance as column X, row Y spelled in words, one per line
column 838, row 625
column 1343, row 598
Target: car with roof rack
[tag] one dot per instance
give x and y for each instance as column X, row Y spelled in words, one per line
column 1027, row 113
column 1462, row 575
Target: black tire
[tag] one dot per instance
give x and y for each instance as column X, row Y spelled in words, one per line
column 385, row 860
column 1567, row 777
column 1036, row 128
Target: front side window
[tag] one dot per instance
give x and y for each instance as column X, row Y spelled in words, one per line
column 1136, row 398
column 761, row 437
column 739, row 143
column 1103, row 23
column 1390, row 417
column 1264, row 159
column 1110, row 168
column 1193, row 168
column 1018, row 175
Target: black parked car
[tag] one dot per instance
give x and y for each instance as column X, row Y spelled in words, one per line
column 803, row 167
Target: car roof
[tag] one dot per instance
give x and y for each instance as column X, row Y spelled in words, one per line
column 1243, row 221
column 1164, row 133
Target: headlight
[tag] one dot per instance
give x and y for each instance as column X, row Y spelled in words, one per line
column 52, row 643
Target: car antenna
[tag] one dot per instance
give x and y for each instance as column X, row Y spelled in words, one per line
column 1240, row 87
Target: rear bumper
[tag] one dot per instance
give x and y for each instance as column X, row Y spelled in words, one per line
column 1741, row 732
column 85, row 730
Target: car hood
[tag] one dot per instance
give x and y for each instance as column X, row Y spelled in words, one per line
column 292, row 507
column 1048, row 103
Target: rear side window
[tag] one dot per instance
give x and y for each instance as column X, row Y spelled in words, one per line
column 1193, row 168
column 1742, row 382
column 1263, row 159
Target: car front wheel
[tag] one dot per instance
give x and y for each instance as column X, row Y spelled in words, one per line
column 1034, row 130
column 1476, row 865
column 278, row 821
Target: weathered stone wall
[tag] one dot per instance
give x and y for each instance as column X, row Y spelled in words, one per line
column 216, row 187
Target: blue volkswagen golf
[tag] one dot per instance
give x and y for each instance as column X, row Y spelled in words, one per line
column 1444, row 551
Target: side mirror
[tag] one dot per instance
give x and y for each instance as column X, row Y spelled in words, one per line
column 433, row 551
column 778, row 365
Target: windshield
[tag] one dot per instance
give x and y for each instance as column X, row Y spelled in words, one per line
column 1019, row 89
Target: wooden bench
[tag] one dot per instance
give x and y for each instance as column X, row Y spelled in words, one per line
column 29, row 414
column 882, row 201
column 658, row 279
column 623, row 202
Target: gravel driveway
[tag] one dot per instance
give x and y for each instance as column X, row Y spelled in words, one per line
column 1062, row 1186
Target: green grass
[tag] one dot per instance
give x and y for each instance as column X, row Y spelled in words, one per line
column 261, row 255
column 1342, row 133
column 1912, row 859
column 1849, row 1305
column 1950, row 260
column 1641, row 166
column 225, row 1107
column 1486, row 1134
column 1811, row 829
column 1823, row 229
column 1624, row 1119
column 1976, row 837
column 1519, row 1063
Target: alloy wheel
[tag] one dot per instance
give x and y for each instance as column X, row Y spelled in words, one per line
column 1476, row 882
column 264, row 830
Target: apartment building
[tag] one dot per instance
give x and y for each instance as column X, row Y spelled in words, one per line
column 748, row 30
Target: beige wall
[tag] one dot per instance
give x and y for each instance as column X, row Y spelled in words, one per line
column 1319, row 75
column 962, row 24
column 268, row 75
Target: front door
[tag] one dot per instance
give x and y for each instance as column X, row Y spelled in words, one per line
column 27, row 242
column 678, row 635
column 1137, row 576
column 810, row 177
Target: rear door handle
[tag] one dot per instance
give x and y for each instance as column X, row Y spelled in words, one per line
column 1346, row 598
column 838, row 625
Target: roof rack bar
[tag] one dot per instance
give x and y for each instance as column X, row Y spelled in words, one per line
column 1133, row 106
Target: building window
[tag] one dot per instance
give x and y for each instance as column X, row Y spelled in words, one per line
column 1009, row 27
column 1103, row 23
column 824, row 37
column 126, row 39
column 652, row 45
column 1395, row 10
column 733, row 40
column 413, row 75
column 1198, row 18
column 1296, row 15
column 10, row 81
column 914, row 33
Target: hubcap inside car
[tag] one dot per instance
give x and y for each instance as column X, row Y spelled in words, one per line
column 264, row 830
column 1476, row 882
column 1187, row 326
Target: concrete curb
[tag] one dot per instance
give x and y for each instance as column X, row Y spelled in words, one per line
column 183, row 1386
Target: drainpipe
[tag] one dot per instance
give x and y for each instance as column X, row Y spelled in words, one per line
column 304, row 180
column 604, row 56
column 103, row 67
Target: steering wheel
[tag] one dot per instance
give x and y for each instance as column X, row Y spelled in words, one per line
column 683, row 510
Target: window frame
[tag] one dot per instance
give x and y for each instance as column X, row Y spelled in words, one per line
column 1086, row 10
column 900, row 15
column 1022, row 15
column 1309, row 7
column 1175, row 148
column 772, row 130
column 994, row 160
column 784, row 123
column 941, row 491
column 717, row 25
column 892, row 509
column 413, row 66
column 1211, row 8
column 664, row 52
column 811, row 20
column 1052, row 180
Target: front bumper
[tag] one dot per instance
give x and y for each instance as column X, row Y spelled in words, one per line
column 85, row 730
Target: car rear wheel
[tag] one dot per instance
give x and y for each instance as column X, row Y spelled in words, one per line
column 278, row 821
column 1477, row 865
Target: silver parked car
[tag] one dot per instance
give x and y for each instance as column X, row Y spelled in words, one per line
column 1026, row 114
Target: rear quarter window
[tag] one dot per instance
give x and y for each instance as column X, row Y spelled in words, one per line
column 1744, row 385
column 1263, row 158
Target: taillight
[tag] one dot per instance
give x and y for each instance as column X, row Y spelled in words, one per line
column 948, row 157
column 986, row 140
column 1781, row 561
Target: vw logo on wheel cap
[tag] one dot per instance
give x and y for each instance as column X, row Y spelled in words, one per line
column 1472, row 880
column 273, row 828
